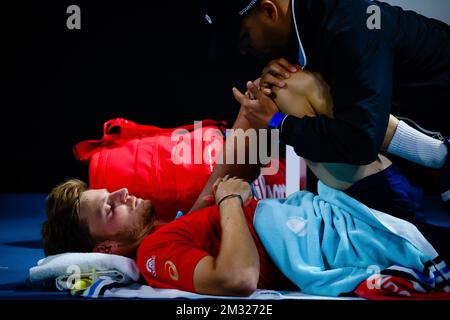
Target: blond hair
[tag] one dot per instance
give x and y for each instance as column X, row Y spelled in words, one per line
column 64, row 231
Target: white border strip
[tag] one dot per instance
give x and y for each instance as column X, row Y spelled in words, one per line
column 293, row 171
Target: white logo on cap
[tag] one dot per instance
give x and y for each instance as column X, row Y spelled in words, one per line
column 248, row 7
column 208, row 18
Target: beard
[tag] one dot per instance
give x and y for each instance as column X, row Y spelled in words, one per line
column 140, row 226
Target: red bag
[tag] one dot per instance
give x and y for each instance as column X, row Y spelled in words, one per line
column 139, row 157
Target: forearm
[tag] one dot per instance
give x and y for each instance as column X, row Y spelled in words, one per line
column 234, row 270
column 238, row 259
column 248, row 172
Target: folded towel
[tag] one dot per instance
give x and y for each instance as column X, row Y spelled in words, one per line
column 81, row 265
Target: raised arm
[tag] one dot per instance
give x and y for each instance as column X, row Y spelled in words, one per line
column 248, row 172
column 235, row 271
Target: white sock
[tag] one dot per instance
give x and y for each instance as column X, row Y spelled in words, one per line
column 413, row 145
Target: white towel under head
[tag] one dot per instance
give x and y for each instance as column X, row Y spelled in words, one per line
column 113, row 267
column 124, row 269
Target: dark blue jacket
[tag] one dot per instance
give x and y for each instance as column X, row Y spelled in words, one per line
column 366, row 69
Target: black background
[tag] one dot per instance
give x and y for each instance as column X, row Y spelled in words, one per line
column 145, row 61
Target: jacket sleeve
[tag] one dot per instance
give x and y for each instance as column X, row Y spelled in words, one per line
column 361, row 79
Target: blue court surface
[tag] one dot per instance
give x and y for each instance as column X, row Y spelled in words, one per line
column 21, row 217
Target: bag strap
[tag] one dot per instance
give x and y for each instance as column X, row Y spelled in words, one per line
column 123, row 129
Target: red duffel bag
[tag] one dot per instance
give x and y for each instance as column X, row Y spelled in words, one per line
column 140, row 158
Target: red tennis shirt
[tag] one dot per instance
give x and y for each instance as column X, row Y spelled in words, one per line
column 167, row 257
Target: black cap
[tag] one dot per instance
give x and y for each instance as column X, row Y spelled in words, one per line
column 227, row 15
column 224, row 17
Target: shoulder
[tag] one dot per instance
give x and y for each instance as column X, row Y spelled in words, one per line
column 335, row 15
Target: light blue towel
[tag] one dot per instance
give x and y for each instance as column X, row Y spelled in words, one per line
column 328, row 244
